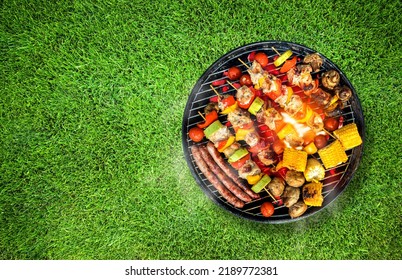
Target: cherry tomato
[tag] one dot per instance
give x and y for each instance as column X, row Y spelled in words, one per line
column 267, row 209
column 278, row 147
column 331, row 124
column 261, row 58
column 320, row 141
column 245, row 80
column 196, row 134
column 234, row 73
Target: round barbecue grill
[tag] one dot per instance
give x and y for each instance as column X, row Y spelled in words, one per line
column 336, row 179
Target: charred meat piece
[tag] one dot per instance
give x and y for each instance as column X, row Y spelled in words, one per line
column 276, row 186
column 256, row 72
column 244, row 95
column 301, row 76
column 330, row 79
column 290, row 196
column 222, row 133
column 268, row 84
column 213, row 106
column 295, row 178
column 267, row 156
column 321, row 97
column 252, row 138
column 239, row 117
column 270, row 117
column 294, row 105
column 294, row 140
column 249, row 168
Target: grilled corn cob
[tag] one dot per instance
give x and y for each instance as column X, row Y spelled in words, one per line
column 314, row 170
column 333, row 154
column 312, row 194
column 294, row 159
column 349, row 136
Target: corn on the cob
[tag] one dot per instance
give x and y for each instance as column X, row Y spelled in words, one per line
column 333, row 154
column 294, row 159
column 314, row 170
column 349, row 136
column 288, row 129
column 312, row 194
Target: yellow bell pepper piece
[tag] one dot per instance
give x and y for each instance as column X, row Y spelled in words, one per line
column 290, row 93
column 310, row 149
column 260, row 83
column 241, row 133
column 229, row 109
column 229, row 142
column 283, row 58
column 252, row 179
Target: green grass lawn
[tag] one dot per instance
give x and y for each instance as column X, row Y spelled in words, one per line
column 91, row 105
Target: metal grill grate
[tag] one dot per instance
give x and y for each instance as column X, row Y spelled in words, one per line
column 335, row 180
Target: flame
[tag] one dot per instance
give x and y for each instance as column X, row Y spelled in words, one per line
column 299, row 127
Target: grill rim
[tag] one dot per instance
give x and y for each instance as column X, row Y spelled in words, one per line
column 354, row 103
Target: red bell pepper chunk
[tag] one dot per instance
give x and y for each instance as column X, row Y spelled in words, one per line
column 225, row 88
column 289, row 64
column 209, row 118
column 281, row 173
column 218, row 82
column 236, row 85
column 341, row 120
column 214, row 99
column 228, row 101
column 271, row 69
column 258, row 147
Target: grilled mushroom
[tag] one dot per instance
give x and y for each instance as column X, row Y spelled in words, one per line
column 276, row 186
column 290, row 196
column 330, row 79
column 295, row 178
column 297, row 209
column 314, row 60
column 343, row 92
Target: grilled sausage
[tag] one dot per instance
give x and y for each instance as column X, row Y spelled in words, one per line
column 202, row 165
column 223, row 165
column 227, row 182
